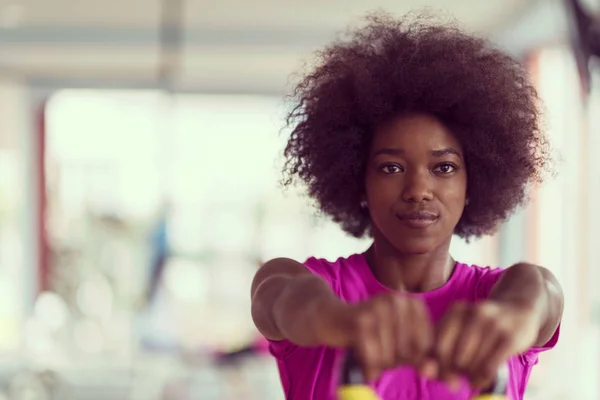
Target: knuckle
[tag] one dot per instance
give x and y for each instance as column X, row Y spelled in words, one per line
column 488, row 372
column 413, row 304
column 398, row 302
column 365, row 320
column 380, row 303
column 507, row 340
column 482, row 311
column 497, row 326
column 402, row 356
column 421, row 307
column 383, row 307
column 460, row 306
column 388, row 361
column 365, row 350
column 393, row 304
column 488, row 309
column 424, row 338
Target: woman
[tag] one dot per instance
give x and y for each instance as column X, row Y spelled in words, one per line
column 411, row 132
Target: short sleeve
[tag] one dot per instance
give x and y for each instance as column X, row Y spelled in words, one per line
column 326, row 270
column 486, row 279
column 530, row 357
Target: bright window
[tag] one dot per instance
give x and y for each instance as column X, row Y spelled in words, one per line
column 564, row 219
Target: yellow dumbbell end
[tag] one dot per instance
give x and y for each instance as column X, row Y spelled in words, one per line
column 490, row 397
column 356, row 392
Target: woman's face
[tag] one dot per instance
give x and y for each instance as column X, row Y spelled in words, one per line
column 416, row 183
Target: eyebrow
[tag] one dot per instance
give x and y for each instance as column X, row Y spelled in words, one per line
column 435, row 153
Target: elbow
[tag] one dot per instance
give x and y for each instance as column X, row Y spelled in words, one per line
column 553, row 305
column 264, row 297
column 555, row 296
column 553, row 291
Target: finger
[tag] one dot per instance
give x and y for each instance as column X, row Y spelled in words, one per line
column 468, row 342
column 368, row 347
column 429, row 368
column 487, row 346
column 402, row 325
column 422, row 334
column 487, row 369
column 386, row 332
column 447, row 335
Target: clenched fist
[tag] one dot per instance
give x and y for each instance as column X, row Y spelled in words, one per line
column 384, row 332
column 474, row 339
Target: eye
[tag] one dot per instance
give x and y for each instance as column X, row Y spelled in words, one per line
column 391, row 168
column 445, row 168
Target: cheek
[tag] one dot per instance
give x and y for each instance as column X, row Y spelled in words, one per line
column 455, row 199
column 379, row 192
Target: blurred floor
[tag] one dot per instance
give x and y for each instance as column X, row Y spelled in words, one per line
column 147, row 377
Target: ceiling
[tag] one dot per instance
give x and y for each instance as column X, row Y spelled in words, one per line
column 305, row 14
column 229, row 45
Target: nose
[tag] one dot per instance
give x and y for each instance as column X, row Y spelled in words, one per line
column 417, row 187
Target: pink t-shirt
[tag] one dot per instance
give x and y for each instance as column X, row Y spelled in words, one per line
column 313, row 373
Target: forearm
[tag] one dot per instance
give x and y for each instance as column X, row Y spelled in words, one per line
column 292, row 308
column 306, row 312
column 529, row 287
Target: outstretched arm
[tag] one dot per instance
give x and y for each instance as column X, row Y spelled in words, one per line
column 523, row 310
column 535, row 289
column 288, row 302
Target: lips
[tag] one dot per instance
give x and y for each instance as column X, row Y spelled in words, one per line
column 418, row 219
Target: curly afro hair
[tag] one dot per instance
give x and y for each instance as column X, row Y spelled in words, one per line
column 394, row 66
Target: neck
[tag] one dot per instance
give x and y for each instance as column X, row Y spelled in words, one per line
column 415, row 273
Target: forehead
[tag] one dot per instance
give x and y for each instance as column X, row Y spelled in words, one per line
column 414, row 132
